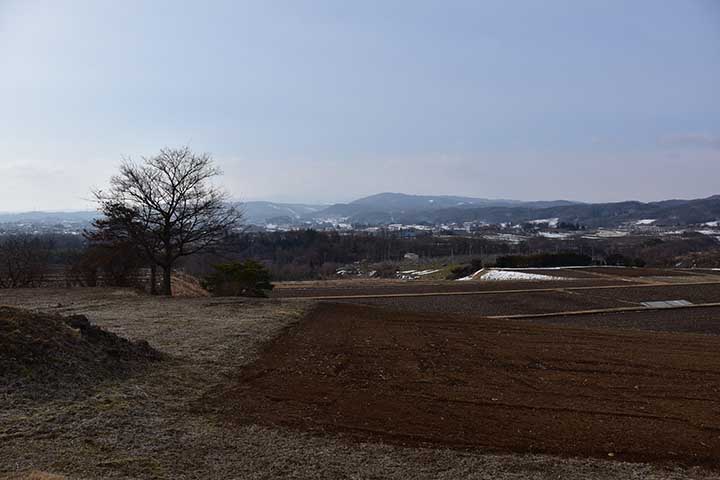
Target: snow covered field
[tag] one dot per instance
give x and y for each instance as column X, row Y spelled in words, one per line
column 471, row 277
column 552, row 222
column 555, row 234
column 601, row 233
column 504, row 275
column 414, row 274
column 506, row 237
column 493, row 275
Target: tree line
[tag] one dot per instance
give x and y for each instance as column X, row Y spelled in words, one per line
column 29, row 261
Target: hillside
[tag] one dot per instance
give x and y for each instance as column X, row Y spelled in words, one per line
column 389, row 207
column 667, row 213
column 386, row 208
column 40, row 217
column 259, row 212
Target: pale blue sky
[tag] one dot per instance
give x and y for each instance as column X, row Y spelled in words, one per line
column 331, row 100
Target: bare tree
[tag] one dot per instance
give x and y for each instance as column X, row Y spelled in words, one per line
column 122, row 231
column 168, row 207
column 23, row 261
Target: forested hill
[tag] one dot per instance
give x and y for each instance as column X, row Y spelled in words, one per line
column 670, row 212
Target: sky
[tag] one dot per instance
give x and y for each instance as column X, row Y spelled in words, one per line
column 322, row 101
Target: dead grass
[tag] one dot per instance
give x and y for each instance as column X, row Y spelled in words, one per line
column 34, row 475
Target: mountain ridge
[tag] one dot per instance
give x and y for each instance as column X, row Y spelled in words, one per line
column 391, row 207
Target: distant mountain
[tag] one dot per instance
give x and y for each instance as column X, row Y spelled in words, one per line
column 261, row 213
column 84, row 216
column 258, row 213
column 668, row 213
column 388, row 207
column 402, row 201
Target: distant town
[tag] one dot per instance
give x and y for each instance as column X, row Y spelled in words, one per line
column 413, row 216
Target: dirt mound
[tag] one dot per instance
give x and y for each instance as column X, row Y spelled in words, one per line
column 185, row 285
column 42, row 354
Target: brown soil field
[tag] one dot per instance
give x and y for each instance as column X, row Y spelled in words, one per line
column 574, row 277
column 496, row 304
column 704, row 320
column 704, row 271
column 638, row 272
column 381, row 287
column 569, row 299
column 497, row 385
column 700, row 293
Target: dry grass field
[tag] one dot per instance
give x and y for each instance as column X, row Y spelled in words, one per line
column 163, row 421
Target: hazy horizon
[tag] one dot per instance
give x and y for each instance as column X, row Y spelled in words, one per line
column 324, row 102
column 92, row 207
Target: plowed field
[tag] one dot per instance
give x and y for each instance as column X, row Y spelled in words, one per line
column 497, row 385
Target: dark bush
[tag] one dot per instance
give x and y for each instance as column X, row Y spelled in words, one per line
column 247, row 279
column 466, row 269
column 116, row 265
column 622, row 261
column 618, row 260
column 386, row 270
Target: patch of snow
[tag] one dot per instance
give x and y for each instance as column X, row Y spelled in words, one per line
column 606, row 234
column 715, row 223
column 554, row 234
column 414, row 274
column 646, row 221
column 504, row 275
column 470, row 277
column 426, row 272
column 552, row 222
column 505, row 237
column 666, row 304
column 520, row 269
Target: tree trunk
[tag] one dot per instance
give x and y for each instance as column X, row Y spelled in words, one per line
column 153, row 279
column 167, row 283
